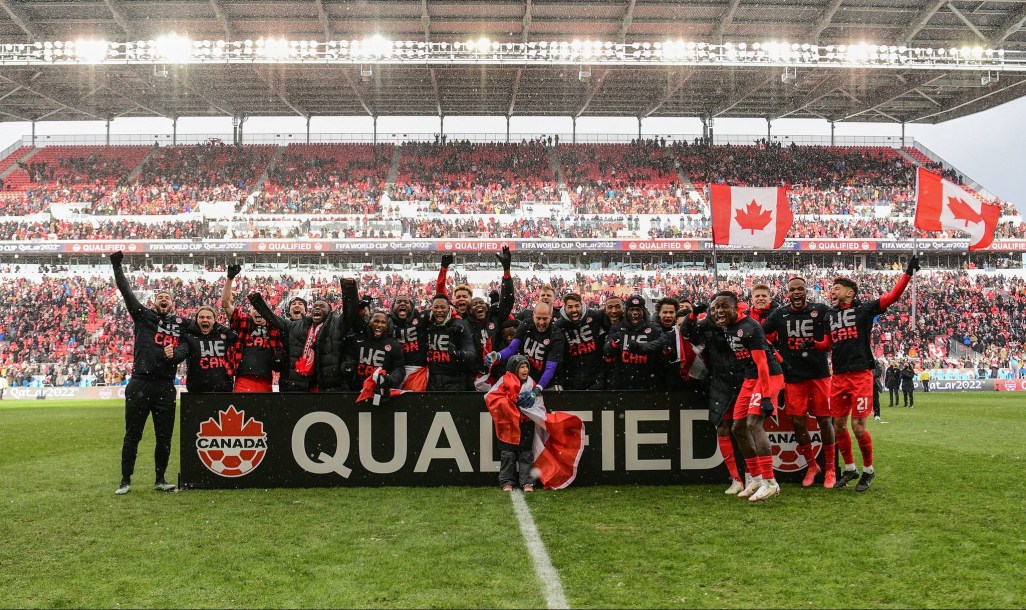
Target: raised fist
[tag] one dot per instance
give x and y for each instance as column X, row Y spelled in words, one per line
column 447, row 259
column 700, row 308
column 254, row 298
column 913, row 266
column 234, row 270
column 504, row 257
column 116, row 258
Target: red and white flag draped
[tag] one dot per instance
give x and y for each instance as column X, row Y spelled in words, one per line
column 416, row 379
column 558, row 442
column 370, row 388
column 749, row 216
column 692, row 363
column 943, row 205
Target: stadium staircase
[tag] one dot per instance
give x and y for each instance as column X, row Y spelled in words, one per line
column 271, row 164
column 557, row 171
column 393, row 167
column 138, row 168
column 9, row 164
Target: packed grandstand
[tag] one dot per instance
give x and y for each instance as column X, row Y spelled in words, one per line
column 596, row 219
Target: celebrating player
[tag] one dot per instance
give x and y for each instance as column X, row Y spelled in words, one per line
column 259, row 350
column 850, row 325
column 806, row 375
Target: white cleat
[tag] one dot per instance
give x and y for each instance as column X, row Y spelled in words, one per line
column 752, row 487
column 735, row 487
column 766, row 490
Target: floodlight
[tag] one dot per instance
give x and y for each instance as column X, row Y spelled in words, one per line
column 174, row 48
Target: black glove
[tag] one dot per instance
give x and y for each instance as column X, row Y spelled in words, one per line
column 913, row 266
column 683, row 313
column 493, row 297
column 254, row 298
column 767, row 406
column 365, row 302
column 700, row 308
column 116, row 258
column 234, row 270
column 505, row 258
column 447, row 259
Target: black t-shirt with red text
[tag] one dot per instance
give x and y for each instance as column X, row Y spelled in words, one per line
column 540, row 348
column 788, row 330
column 850, row 330
column 257, row 353
column 745, row 336
column 364, row 354
column 153, row 332
column 206, row 357
column 411, row 334
column 584, row 342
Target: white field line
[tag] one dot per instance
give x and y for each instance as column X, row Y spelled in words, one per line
column 555, row 597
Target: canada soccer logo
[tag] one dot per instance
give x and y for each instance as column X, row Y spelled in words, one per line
column 785, row 444
column 232, row 446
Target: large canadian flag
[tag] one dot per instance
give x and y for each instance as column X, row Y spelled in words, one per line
column 750, row 216
column 558, row 437
column 943, row 205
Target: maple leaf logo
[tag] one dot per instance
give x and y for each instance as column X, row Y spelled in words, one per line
column 231, row 424
column 963, row 211
column 753, row 217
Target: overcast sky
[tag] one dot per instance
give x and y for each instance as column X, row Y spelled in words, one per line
column 988, row 146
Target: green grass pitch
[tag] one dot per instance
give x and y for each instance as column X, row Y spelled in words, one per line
column 941, row 527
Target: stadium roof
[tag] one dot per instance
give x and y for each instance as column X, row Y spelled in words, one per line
column 105, row 92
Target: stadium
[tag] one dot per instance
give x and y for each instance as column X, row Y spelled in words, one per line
column 600, row 215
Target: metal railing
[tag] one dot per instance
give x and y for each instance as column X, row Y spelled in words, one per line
column 10, row 149
column 397, row 137
column 937, row 159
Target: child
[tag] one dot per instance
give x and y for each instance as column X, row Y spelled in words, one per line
column 514, row 457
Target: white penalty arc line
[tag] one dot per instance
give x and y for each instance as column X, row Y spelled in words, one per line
column 555, row 597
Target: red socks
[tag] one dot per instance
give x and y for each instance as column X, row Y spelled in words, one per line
column 766, row 466
column 807, row 452
column 830, row 456
column 844, row 444
column 866, row 446
column 727, row 451
column 753, row 467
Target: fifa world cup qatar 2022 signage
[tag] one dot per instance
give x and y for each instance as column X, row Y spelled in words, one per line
column 442, row 438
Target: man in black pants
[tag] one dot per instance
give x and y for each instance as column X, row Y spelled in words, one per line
column 151, row 388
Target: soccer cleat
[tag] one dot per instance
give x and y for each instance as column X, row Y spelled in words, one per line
column 829, row 479
column 123, row 488
column 507, row 488
column 735, row 487
column 767, row 490
column 876, row 417
column 528, row 488
column 846, row 477
column 752, row 487
column 865, row 481
column 810, row 474
column 163, row 485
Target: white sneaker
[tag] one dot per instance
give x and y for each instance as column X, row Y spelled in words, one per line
column 735, row 487
column 123, row 489
column 767, row 490
column 752, row 487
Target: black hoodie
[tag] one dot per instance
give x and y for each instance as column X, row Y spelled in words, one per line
column 633, row 371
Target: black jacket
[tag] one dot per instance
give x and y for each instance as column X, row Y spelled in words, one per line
column 362, row 354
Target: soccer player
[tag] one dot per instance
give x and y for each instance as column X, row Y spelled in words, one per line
column 486, row 320
column 849, row 326
column 613, row 308
column 633, row 369
column 371, row 349
column 315, row 341
column 450, row 348
column 806, row 375
column 258, row 351
column 206, row 354
column 763, row 380
column 461, row 294
column 409, row 327
column 547, row 295
column 542, row 343
column 585, row 337
column 151, row 389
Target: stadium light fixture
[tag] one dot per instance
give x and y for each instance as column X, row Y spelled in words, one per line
column 174, row 48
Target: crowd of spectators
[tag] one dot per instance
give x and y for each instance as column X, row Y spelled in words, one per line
column 74, row 330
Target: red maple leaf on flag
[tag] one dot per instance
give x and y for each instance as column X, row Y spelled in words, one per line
column 753, row 217
column 231, row 423
column 963, row 211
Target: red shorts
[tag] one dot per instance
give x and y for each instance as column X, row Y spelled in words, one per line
column 251, row 383
column 851, row 393
column 749, row 401
column 808, row 397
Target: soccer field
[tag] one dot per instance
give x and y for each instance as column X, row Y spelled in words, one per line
column 941, row 527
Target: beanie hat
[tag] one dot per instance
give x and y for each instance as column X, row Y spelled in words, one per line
column 635, row 300
column 515, row 362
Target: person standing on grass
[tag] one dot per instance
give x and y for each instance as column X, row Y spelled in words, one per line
column 892, row 379
column 151, row 389
column 849, row 340
column 763, row 381
column 806, row 375
column 908, row 385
